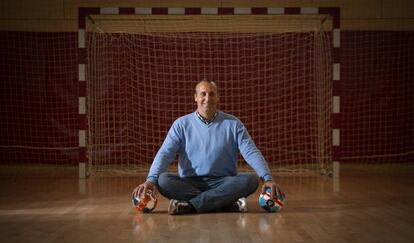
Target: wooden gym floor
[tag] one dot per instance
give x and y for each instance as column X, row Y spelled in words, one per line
column 362, row 206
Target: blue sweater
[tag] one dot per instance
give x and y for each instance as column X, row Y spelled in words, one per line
column 208, row 150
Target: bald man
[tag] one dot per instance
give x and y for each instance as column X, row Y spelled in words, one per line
column 208, row 142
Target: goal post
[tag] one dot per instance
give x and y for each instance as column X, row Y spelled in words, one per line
column 275, row 69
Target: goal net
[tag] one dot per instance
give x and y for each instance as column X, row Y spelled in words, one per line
column 272, row 72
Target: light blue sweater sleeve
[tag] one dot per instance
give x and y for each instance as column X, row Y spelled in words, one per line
column 251, row 153
column 166, row 153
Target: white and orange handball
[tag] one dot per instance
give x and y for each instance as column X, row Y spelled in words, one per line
column 145, row 203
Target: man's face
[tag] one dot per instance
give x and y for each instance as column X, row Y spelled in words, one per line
column 206, row 97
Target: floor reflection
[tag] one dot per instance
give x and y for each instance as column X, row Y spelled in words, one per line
column 269, row 222
column 204, row 226
column 143, row 224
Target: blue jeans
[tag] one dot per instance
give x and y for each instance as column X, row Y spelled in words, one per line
column 207, row 194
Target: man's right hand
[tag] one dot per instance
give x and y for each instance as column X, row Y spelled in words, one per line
column 144, row 187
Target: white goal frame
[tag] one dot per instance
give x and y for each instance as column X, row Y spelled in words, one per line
column 84, row 12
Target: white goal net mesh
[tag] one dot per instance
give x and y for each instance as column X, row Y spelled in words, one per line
column 273, row 73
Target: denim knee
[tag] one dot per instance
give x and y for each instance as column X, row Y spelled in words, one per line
column 164, row 183
column 251, row 182
column 164, row 179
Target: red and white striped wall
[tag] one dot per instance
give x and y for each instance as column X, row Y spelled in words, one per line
column 333, row 11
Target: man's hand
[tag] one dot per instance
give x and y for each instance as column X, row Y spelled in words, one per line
column 276, row 190
column 144, row 187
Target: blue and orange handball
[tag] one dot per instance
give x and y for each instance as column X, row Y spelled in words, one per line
column 270, row 204
column 145, row 203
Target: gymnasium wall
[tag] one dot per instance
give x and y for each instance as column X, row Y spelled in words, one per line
column 38, row 76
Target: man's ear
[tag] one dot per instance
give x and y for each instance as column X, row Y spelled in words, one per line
column 195, row 97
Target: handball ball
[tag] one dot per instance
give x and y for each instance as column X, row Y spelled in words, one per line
column 271, row 204
column 145, row 203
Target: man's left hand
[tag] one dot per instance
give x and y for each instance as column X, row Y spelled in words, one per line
column 276, row 190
